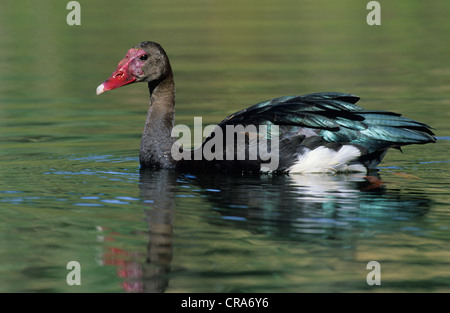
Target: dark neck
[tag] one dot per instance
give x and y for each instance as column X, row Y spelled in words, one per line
column 156, row 141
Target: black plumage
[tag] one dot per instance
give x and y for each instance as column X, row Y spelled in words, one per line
column 331, row 120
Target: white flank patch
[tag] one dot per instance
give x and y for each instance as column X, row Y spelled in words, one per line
column 326, row 160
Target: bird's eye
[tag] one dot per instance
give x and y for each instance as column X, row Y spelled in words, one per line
column 143, row 57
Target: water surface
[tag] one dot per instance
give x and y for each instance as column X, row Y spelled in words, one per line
column 71, row 187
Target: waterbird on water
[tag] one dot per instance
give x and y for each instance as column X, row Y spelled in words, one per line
column 320, row 132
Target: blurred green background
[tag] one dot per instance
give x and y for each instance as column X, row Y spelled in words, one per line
column 68, row 158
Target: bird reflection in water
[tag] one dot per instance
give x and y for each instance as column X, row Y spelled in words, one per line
column 149, row 273
column 296, row 207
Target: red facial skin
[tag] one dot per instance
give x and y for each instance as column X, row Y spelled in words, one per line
column 128, row 71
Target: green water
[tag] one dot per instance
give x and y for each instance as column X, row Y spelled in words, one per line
column 71, row 188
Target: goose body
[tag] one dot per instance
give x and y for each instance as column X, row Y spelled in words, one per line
column 320, row 132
